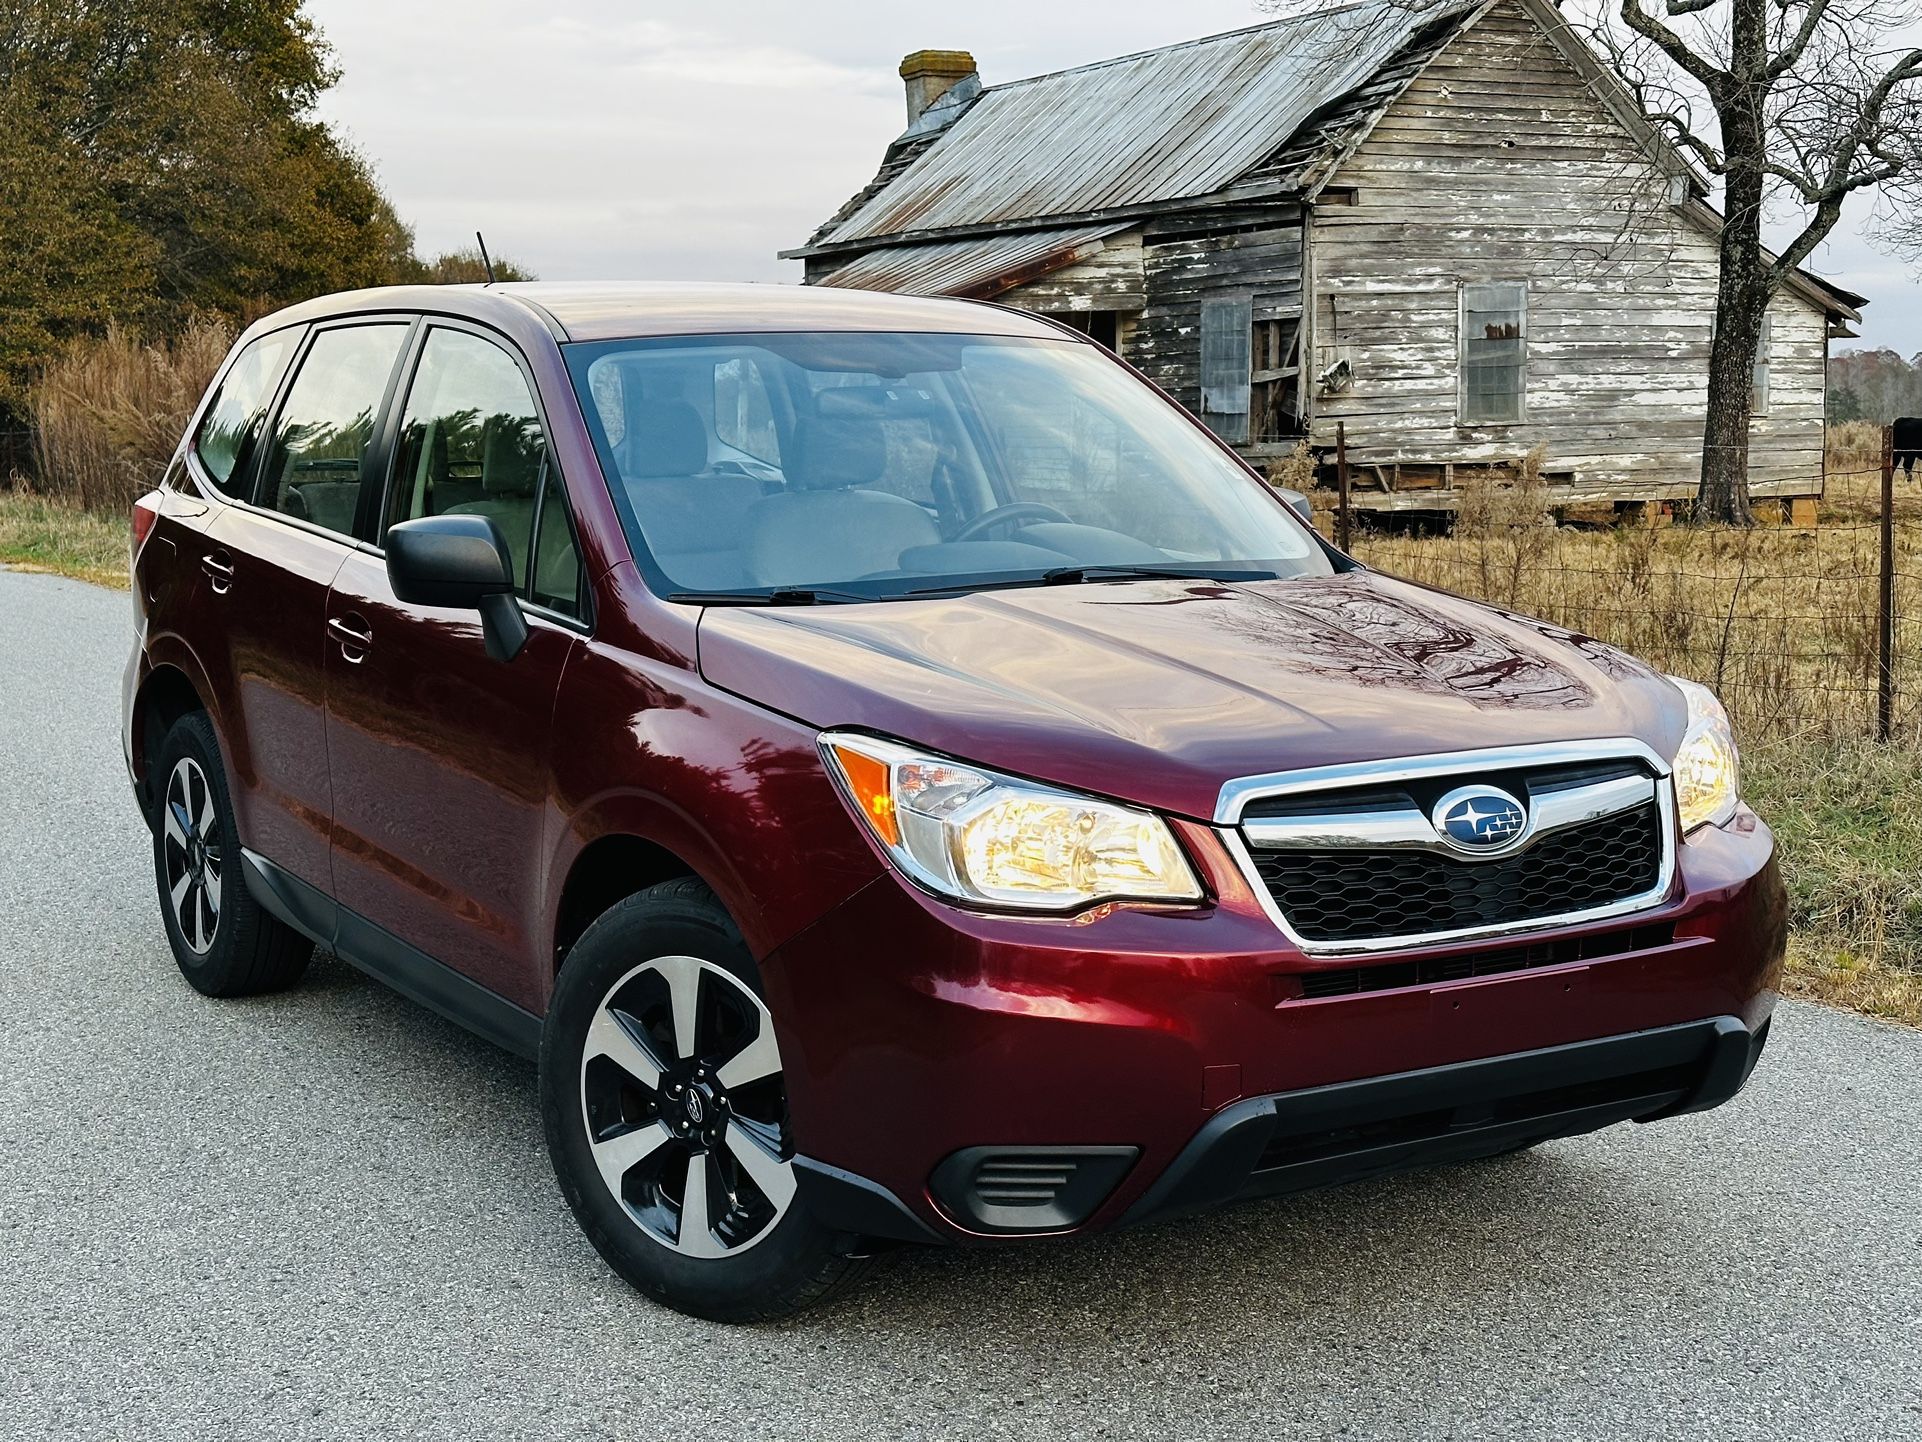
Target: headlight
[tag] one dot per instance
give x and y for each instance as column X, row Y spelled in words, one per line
column 980, row 837
column 1707, row 765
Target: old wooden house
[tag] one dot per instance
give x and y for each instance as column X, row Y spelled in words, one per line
column 1445, row 226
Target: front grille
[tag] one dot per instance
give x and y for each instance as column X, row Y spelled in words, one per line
column 1434, row 970
column 1353, row 894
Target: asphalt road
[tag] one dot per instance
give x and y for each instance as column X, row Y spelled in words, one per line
column 328, row 1214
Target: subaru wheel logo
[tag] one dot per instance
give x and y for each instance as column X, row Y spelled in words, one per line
column 1480, row 820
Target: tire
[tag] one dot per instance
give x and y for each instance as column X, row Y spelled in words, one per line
column 636, row 1119
column 224, row 943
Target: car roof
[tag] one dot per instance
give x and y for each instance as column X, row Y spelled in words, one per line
column 616, row 310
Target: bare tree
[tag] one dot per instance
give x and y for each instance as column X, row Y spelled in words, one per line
column 1793, row 105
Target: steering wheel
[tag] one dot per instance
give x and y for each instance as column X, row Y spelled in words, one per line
column 1000, row 515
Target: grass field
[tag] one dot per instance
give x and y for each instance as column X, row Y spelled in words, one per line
column 38, row 534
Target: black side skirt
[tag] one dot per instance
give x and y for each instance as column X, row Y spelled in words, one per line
column 386, row 958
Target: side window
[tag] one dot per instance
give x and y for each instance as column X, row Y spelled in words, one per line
column 326, row 425
column 232, row 423
column 556, row 583
column 471, row 444
column 743, row 415
column 1494, row 352
column 1758, row 400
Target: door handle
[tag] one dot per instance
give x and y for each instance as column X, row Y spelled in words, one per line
column 352, row 635
column 219, row 567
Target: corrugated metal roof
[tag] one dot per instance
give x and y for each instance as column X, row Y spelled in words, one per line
column 966, row 267
column 1162, row 125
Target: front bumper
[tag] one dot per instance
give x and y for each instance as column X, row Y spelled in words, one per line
column 1265, row 1146
column 1174, row 1055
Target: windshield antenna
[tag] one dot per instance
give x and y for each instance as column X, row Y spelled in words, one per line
column 486, row 261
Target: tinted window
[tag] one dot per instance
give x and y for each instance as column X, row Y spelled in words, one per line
column 471, row 443
column 232, row 422
column 327, row 424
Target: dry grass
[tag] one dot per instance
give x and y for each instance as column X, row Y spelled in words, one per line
column 1781, row 622
column 108, row 413
column 38, row 533
column 1849, row 821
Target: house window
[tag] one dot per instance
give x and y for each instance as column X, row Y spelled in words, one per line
column 1100, row 325
column 1227, row 330
column 1494, row 352
column 1274, row 407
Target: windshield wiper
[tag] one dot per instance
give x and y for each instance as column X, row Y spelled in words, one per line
column 1075, row 575
column 780, row 596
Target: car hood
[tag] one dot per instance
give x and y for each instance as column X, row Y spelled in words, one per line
column 1158, row 691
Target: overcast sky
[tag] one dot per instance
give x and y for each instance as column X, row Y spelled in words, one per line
column 602, row 139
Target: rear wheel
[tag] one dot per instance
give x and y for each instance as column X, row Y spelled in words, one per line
column 224, row 943
column 665, row 1110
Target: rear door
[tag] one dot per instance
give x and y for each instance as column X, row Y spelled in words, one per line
column 267, row 564
column 441, row 757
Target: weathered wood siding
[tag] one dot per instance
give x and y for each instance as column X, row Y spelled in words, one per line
column 1111, row 279
column 1500, row 163
column 1182, row 272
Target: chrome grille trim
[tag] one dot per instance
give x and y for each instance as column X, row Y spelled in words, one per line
column 1408, row 827
column 1379, row 830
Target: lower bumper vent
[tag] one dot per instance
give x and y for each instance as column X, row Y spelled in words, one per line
column 1028, row 1189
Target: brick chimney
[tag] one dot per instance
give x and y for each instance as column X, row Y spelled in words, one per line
column 930, row 74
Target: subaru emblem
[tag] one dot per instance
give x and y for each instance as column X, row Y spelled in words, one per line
column 1480, row 820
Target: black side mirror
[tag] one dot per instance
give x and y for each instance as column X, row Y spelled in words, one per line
column 459, row 561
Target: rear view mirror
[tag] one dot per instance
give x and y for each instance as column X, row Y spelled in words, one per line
column 463, row 562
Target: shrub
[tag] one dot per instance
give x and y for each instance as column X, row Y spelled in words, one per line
column 108, row 413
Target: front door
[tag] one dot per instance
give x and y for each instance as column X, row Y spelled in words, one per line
column 441, row 757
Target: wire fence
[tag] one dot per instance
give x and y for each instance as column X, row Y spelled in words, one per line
column 1802, row 630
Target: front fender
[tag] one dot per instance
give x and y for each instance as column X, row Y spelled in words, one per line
column 737, row 793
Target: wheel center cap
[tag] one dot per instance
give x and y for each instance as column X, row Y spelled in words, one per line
column 695, row 1104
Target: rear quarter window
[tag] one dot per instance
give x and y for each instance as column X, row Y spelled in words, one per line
column 232, row 422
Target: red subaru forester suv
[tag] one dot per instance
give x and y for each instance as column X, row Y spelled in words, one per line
column 904, row 779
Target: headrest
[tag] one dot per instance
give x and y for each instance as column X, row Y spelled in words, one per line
column 511, row 451
column 831, row 453
column 665, row 438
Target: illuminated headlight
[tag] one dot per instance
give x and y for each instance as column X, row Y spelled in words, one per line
column 1707, row 766
column 994, row 840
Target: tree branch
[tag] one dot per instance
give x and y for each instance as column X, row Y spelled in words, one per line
column 1672, row 45
column 1798, row 45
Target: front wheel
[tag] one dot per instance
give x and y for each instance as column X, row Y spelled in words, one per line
column 666, row 1114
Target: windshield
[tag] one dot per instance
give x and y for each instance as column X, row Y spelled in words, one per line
column 873, row 465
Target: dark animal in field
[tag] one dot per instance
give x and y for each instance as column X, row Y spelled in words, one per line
column 1908, row 442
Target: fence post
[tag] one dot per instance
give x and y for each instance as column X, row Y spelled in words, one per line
column 1885, row 636
column 1344, row 513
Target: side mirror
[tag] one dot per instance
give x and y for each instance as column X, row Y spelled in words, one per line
column 459, row 561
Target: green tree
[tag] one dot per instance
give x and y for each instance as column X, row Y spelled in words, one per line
column 162, row 158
